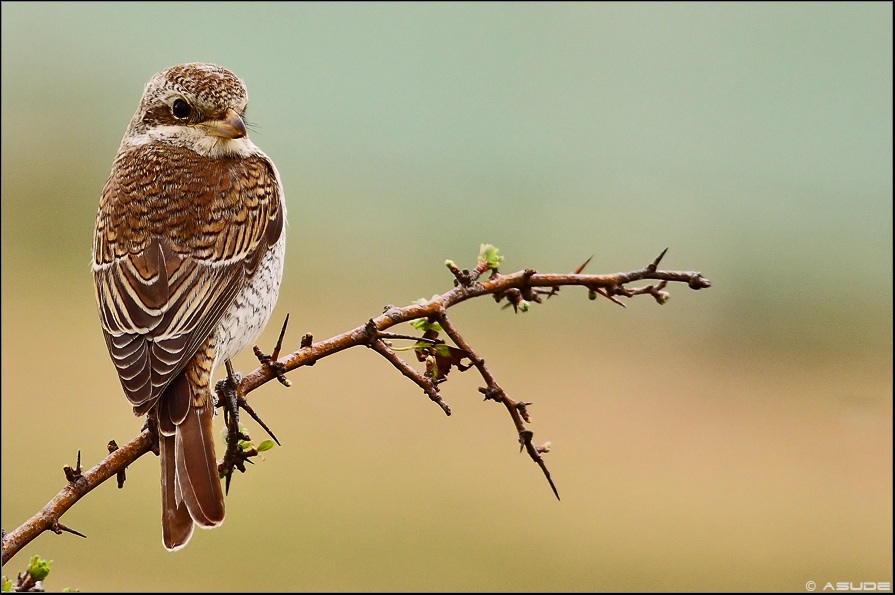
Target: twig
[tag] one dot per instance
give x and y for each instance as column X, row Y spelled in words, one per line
column 426, row 383
column 493, row 391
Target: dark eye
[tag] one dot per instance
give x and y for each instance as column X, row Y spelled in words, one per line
column 181, row 109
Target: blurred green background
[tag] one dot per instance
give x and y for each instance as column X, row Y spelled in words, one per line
column 735, row 438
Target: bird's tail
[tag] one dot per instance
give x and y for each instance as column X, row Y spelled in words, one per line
column 191, row 487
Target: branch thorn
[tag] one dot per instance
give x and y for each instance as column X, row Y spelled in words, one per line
column 58, row 528
column 652, row 267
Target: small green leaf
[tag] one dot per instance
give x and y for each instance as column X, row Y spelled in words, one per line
column 39, row 568
column 266, row 445
column 442, row 350
column 5, row 585
column 421, row 324
column 488, row 254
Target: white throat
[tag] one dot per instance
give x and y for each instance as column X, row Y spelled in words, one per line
column 196, row 139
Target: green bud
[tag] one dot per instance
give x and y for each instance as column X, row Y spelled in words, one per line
column 5, row 585
column 39, row 568
column 489, row 254
column 591, row 294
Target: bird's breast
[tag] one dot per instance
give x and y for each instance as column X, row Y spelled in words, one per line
column 247, row 316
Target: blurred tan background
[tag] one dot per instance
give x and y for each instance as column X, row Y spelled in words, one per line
column 735, row 438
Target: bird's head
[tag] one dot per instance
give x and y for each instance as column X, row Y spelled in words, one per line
column 197, row 106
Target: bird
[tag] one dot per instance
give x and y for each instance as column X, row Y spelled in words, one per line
column 188, row 255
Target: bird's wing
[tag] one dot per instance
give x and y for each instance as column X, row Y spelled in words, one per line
column 177, row 235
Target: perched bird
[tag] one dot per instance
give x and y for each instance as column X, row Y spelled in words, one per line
column 187, row 260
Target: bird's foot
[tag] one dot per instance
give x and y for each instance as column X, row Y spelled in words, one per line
column 239, row 446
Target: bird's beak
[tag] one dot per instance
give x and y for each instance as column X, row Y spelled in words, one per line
column 231, row 127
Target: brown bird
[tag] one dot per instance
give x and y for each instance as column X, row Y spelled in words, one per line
column 187, row 260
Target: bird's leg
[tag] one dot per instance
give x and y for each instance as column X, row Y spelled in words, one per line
column 228, row 390
column 151, row 424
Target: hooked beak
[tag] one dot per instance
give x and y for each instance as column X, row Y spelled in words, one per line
column 231, row 127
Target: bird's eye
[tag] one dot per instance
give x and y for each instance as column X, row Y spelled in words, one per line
column 181, row 109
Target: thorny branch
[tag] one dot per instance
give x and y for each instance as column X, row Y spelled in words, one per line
column 519, row 290
column 79, row 484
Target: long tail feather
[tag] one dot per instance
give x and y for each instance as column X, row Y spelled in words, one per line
column 177, row 524
column 197, row 469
